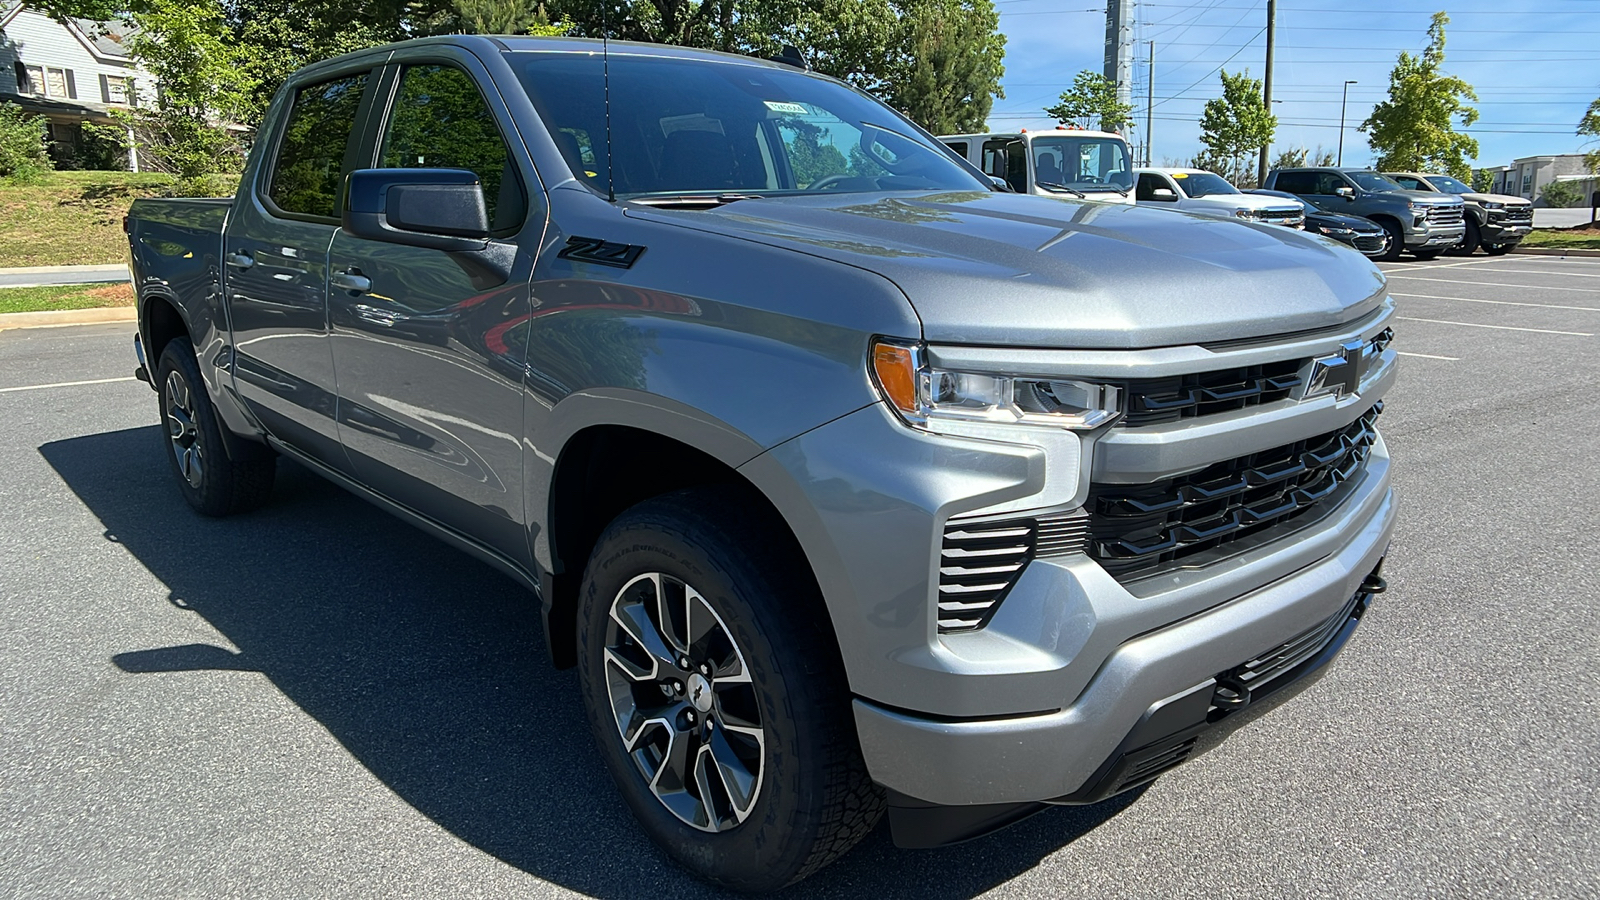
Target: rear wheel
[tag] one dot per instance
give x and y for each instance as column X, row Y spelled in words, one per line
column 1397, row 239
column 212, row 482
column 716, row 696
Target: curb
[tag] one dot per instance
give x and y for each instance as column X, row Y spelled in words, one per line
column 58, row 317
column 64, row 270
column 1557, row 251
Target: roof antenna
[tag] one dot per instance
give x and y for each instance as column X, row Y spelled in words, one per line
column 605, row 77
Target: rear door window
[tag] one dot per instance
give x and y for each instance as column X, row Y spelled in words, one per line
column 309, row 169
column 1296, row 182
column 441, row 121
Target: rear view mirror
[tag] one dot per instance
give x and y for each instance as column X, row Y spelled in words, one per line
column 1163, row 194
column 442, row 209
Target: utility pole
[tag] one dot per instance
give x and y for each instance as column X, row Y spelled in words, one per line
column 1118, row 67
column 1149, row 107
column 1342, row 102
column 1272, row 33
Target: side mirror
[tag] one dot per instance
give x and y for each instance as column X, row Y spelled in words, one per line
column 1348, row 193
column 442, row 209
column 1000, row 184
column 1166, row 194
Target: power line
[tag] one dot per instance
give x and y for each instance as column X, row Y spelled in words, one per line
column 1242, row 48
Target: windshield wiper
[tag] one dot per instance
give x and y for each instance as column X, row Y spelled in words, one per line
column 1063, row 189
column 700, row 201
column 1115, row 187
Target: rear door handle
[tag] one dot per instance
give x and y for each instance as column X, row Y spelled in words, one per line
column 351, row 280
column 241, row 260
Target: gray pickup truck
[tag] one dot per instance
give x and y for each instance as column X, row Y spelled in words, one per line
column 1425, row 223
column 1495, row 222
column 846, row 482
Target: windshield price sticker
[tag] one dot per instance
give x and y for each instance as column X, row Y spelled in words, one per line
column 792, row 109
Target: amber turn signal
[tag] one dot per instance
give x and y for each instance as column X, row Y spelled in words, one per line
column 897, row 374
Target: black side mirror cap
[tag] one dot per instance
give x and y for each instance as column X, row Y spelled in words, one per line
column 442, row 209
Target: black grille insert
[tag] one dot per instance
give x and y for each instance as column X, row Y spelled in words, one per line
column 1141, row 530
column 980, row 561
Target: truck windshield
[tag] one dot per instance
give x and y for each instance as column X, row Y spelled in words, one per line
column 1203, row 184
column 1372, row 181
column 1448, row 185
column 1087, row 164
column 693, row 126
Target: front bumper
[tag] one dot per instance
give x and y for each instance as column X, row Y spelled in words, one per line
column 1498, row 233
column 1435, row 236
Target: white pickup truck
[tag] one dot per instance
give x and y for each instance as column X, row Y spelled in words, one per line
column 1062, row 162
column 1199, row 191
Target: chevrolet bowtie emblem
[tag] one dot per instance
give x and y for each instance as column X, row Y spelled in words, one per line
column 1339, row 375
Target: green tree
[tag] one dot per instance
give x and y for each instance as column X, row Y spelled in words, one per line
column 1590, row 125
column 506, row 17
column 1300, row 156
column 22, row 153
column 1560, row 194
column 1415, row 129
column 1092, row 99
column 950, row 59
column 1482, row 180
column 1233, row 126
column 206, row 100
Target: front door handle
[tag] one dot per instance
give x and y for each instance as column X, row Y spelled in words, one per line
column 351, row 280
column 241, row 260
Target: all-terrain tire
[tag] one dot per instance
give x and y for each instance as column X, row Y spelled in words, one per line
column 212, row 482
column 814, row 799
column 1397, row 240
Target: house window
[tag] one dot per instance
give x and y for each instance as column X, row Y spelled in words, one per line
column 119, row 90
column 55, row 81
column 34, row 77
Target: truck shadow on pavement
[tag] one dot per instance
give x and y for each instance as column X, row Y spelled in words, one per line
column 429, row 667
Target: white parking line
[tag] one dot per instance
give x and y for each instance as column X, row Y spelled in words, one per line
column 61, row 384
column 1499, row 327
column 1429, row 356
column 1468, row 262
column 1496, row 302
column 1542, row 272
column 1535, row 287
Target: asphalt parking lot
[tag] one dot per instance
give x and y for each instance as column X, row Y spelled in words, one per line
column 316, row 700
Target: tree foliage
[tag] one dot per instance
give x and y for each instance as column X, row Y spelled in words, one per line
column 1560, row 194
column 1415, row 129
column 948, row 64
column 1293, row 157
column 1482, row 180
column 22, row 148
column 1590, row 125
column 1091, row 102
column 1233, row 126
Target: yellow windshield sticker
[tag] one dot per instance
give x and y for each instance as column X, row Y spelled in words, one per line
column 1180, row 174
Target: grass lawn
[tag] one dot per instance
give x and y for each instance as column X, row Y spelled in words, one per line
column 71, row 218
column 1583, row 237
column 72, row 296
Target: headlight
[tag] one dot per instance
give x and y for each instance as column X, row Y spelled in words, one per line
column 925, row 396
column 1242, row 213
column 1493, row 205
column 1328, row 230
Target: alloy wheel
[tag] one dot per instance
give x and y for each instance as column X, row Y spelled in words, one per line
column 182, row 430
column 683, row 702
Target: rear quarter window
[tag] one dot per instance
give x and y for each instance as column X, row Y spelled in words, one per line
column 309, row 169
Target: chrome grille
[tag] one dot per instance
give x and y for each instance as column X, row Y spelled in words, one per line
column 1281, row 216
column 1141, row 530
column 1367, row 243
column 1154, row 401
column 980, row 561
column 1519, row 214
column 1445, row 215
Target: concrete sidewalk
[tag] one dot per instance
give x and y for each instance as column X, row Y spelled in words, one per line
column 38, row 276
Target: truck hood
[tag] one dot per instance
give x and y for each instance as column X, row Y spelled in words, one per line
column 1009, row 269
column 1507, row 199
column 1246, row 201
column 1426, row 198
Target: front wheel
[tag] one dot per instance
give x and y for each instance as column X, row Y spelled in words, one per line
column 211, row 481
column 1497, row 249
column 716, row 695
column 1426, row 255
column 1397, row 240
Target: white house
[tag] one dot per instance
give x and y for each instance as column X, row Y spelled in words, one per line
column 1528, row 176
column 69, row 72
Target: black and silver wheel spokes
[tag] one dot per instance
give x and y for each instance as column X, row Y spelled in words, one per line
column 684, row 703
column 181, row 429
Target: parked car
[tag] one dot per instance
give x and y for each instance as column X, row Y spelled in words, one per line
column 1199, row 191
column 1064, row 162
column 1364, row 235
column 847, row 484
column 1424, row 223
column 1495, row 222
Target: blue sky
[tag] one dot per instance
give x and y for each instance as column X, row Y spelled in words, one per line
column 1535, row 65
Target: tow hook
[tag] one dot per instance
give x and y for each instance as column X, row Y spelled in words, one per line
column 1374, row 584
